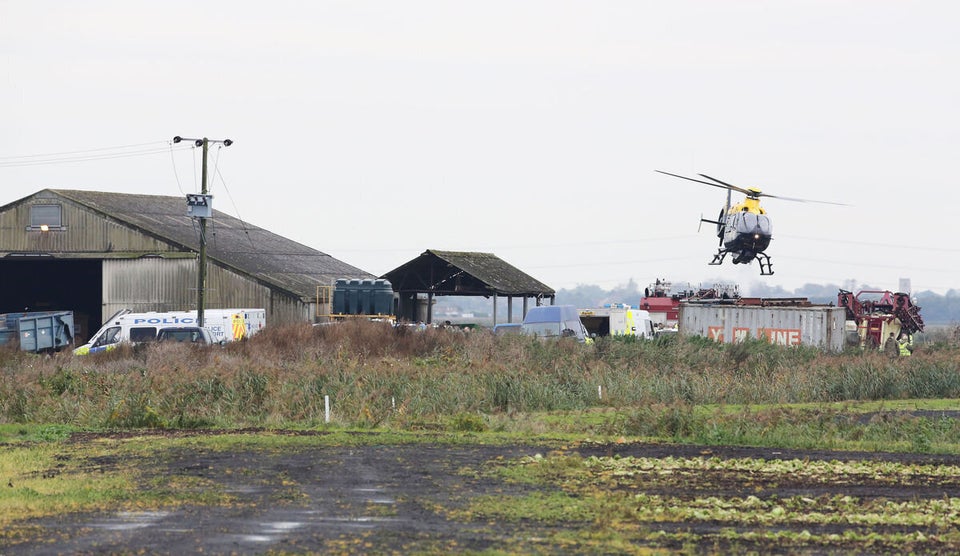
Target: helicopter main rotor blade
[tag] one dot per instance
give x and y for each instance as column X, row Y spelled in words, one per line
column 794, row 199
column 698, row 181
column 762, row 194
column 754, row 193
column 731, row 186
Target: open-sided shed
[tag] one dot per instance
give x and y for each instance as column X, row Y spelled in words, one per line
column 464, row 274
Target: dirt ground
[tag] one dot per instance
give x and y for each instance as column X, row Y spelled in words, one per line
column 388, row 499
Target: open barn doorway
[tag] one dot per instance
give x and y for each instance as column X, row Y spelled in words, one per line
column 46, row 284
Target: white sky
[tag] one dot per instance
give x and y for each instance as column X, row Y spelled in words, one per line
column 375, row 130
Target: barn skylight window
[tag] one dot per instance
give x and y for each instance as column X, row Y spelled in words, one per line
column 45, row 217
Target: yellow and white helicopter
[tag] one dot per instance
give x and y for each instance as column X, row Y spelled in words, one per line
column 744, row 229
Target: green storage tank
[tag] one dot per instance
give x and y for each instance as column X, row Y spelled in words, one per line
column 362, row 297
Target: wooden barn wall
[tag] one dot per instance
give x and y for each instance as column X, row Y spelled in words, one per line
column 85, row 232
column 155, row 284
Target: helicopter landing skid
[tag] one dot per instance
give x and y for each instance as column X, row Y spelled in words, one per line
column 718, row 257
column 766, row 265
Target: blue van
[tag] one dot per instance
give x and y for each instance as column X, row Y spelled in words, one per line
column 554, row 321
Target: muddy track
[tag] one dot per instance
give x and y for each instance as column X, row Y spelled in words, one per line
column 397, row 499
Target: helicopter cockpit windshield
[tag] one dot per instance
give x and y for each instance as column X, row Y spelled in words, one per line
column 750, row 223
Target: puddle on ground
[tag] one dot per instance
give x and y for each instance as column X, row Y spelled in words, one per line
column 125, row 521
column 375, row 500
column 282, row 525
column 255, row 538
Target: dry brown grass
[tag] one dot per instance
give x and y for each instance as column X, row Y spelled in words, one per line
column 376, row 374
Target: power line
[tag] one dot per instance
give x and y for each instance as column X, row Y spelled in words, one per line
column 862, row 265
column 514, row 246
column 120, row 147
column 176, row 174
column 243, row 223
column 612, row 263
column 54, row 159
column 872, row 244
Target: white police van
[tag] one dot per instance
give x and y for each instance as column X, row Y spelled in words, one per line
column 225, row 325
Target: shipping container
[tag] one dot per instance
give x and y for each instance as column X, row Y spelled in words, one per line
column 818, row 326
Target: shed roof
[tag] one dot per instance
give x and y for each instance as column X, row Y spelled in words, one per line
column 465, row 273
column 247, row 249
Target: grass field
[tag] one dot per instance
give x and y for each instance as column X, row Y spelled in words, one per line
column 376, row 376
column 69, row 425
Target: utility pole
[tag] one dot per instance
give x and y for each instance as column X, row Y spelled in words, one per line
column 200, row 205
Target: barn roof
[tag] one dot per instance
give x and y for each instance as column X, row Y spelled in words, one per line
column 247, row 249
column 465, row 273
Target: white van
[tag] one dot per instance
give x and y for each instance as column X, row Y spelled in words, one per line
column 554, row 321
column 617, row 319
column 224, row 324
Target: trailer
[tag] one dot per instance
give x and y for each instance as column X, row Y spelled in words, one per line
column 794, row 324
column 36, row 332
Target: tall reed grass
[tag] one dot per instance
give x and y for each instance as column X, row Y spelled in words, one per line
column 375, row 374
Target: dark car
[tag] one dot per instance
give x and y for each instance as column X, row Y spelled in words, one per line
column 506, row 329
column 189, row 334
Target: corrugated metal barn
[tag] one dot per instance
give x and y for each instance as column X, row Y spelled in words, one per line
column 96, row 253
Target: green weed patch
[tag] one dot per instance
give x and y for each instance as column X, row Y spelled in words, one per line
column 728, row 503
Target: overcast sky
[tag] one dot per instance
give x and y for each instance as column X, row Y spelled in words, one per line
column 373, row 131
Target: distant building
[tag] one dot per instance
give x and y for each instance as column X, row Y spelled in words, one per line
column 95, row 253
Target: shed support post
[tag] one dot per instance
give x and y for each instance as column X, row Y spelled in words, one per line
column 494, row 309
column 430, row 308
column 509, row 308
column 525, row 298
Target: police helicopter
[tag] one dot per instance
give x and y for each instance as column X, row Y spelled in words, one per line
column 744, row 229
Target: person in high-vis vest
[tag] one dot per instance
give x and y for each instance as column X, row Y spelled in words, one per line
column 905, row 344
column 239, row 327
